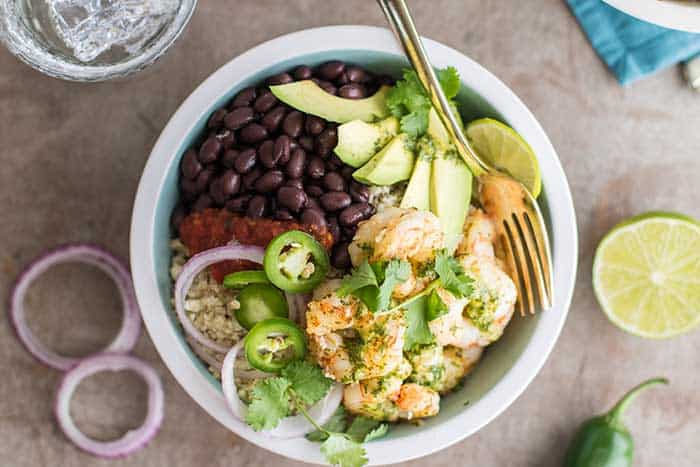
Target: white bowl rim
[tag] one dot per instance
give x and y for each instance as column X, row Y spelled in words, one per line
column 667, row 14
column 310, row 41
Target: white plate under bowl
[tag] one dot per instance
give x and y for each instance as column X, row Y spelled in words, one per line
column 507, row 367
column 684, row 16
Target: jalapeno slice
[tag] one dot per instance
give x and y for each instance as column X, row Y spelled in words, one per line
column 259, row 302
column 274, row 343
column 236, row 280
column 295, row 262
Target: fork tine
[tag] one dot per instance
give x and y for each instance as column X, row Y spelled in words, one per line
column 515, row 275
column 521, row 280
column 521, row 260
column 533, row 256
column 539, row 232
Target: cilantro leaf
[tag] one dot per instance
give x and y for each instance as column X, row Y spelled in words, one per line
column 396, row 272
column 270, row 403
column 338, row 423
column 435, row 306
column 415, row 123
column 449, row 81
column 363, row 429
column 307, row 381
column 452, row 276
column 342, row 451
column 417, row 330
column 360, row 277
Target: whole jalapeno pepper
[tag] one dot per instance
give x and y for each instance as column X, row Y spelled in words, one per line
column 604, row 441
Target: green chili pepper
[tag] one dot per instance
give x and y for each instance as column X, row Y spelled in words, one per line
column 295, row 262
column 604, row 441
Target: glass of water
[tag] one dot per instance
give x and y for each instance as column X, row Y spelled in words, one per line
column 91, row 40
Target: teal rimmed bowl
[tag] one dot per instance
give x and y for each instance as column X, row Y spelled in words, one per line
column 507, row 367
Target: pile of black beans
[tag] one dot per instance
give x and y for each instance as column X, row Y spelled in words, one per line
column 261, row 158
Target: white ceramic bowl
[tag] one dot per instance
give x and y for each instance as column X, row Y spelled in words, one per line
column 666, row 13
column 508, row 366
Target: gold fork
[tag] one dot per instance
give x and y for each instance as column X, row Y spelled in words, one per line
column 521, row 231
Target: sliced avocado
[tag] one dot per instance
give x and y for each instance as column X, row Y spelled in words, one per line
column 358, row 141
column 417, row 194
column 436, row 130
column 393, row 164
column 308, row 97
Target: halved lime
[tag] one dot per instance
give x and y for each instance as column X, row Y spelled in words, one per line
column 646, row 274
column 505, row 149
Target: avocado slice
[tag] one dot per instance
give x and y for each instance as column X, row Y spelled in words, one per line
column 308, row 97
column 358, row 141
column 392, row 164
column 417, row 194
column 450, row 184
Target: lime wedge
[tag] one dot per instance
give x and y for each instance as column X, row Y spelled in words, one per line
column 505, row 149
column 646, row 275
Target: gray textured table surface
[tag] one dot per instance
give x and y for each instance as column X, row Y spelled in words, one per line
column 70, row 161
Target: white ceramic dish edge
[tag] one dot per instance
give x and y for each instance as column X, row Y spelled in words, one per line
column 311, row 41
column 667, row 14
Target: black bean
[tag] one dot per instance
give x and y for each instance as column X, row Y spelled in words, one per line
column 178, row 215
column 281, row 78
column 228, row 160
column 335, row 200
column 334, row 227
column 359, row 192
column 253, row 133
column 313, row 216
column 269, row 181
column 265, row 101
column 346, row 171
column 239, row 117
column 190, row 165
column 315, row 168
column 296, row 164
column 266, row 154
column 189, row 188
column 342, row 79
column 231, row 182
column 326, row 141
column 256, row 206
column 283, row 215
column 203, row 202
column 349, row 232
column 302, row 72
column 293, row 145
column 245, row 161
column 386, row 80
column 227, row 138
column 292, row 198
column 327, row 86
column 243, row 98
column 251, row 177
column 210, row 150
column 239, row 203
column 216, row 191
column 307, row 143
column 331, row 70
column 340, row 258
column 295, row 182
column 333, row 164
column 314, row 125
column 333, row 181
column 314, row 190
column 203, row 179
column 293, row 123
column 272, row 120
column 216, row 119
column 281, row 150
column 272, row 204
column 356, row 74
column 352, row 91
column 354, row 214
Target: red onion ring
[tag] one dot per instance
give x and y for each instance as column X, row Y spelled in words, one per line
column 194, row 266
column 130, row 330
column 289, row 427
column 297, row 307
column 132, row 440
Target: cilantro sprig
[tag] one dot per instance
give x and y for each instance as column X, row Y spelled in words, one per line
column 409, row 102
column 374, row 283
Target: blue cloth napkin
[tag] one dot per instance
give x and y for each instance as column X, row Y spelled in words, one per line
column 632, row 48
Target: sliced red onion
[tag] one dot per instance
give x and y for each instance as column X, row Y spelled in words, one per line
column 128, row 334
column 194, row 266
column 212, row 359
column 297, row 307
column 290, row 427
column 132, row 440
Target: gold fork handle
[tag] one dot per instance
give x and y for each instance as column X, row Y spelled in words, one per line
column 399, row 17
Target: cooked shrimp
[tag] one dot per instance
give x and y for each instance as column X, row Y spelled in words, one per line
column 479, row 235
column 396, row 233
column 428, row 365
column 348, row 340
column 416, row 401
column 374, row 398
column 457, row 363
